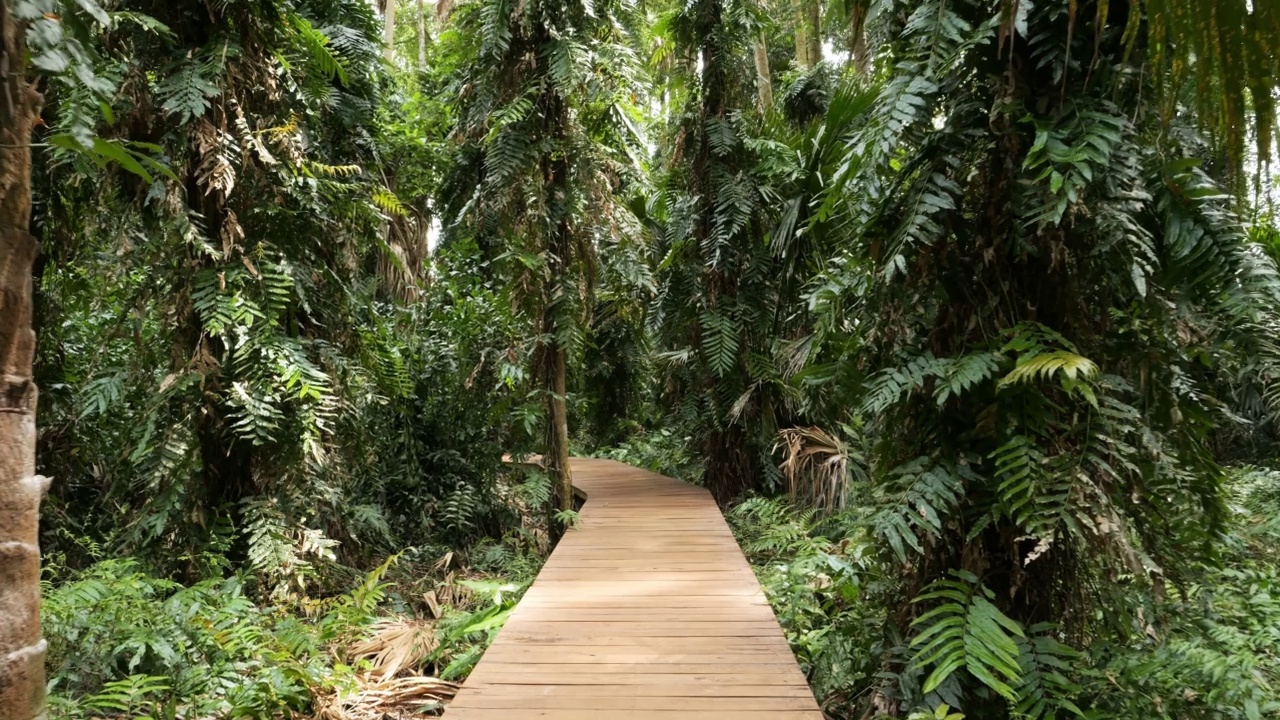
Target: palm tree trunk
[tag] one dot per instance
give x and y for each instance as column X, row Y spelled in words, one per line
column 22, row 650
column 764, row 82
column 389, row 31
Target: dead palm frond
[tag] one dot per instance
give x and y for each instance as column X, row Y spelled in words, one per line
column 396, row 645
column 816, row 466
column 373, row 699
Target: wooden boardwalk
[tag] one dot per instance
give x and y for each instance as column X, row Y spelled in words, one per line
column 646, row 611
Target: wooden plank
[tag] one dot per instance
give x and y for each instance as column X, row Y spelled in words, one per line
column 621, row 634
column 674, row 615
column 578, row 677
column 520, row 702
column 682, row 576
column 615, row 655
column 660, row 584
column 647, row 610
column 667, row 561
column 497, row 671
column 635, row 691
column 659, row 644
column 733, row 628
column 647, row 596
column 466, row 713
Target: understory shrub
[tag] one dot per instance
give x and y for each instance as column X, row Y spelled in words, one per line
column 1211, row 649
column 1208, row 650
column 125, row 642
column 663, row 451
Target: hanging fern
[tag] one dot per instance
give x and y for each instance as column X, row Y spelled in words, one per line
column 720, row 339
column 965, row 631
column 187, row 91
column 920, row 494
column 316, row 46
column 387, row 201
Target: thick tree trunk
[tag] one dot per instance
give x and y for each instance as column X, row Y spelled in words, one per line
column 728, row 457
column 764, row 81
column 801, row 32
column 22, row 649
column 808, row 15
column 226, row 461
column 389, row 30
column 814, row 16
column 859, row 54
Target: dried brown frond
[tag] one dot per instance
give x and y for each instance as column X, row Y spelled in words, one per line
column 396, row 645
column 816, row 466
column 231, row 233
column 374, row 699
column 215, row 172
column 448, row 592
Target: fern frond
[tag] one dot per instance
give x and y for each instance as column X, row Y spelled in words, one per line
column 387, row 201
column 1049, row 365
column 316, row 46
column 966, row 631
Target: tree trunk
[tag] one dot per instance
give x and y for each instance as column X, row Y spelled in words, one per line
column 559, row 249
column 808, row 16
column 22, row 649
column 859, row 54
column 728, row 457
column 802, row 32
column 764, row 82
column 422, row 37
column 814, row 17
column 730, row 467
column 389, row 31
column 225, row 467
column 552, row 367
column 557, row 455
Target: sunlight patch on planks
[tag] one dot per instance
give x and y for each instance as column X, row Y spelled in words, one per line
column 645, row 611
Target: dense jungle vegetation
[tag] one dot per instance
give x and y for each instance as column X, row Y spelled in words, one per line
column 965, row 310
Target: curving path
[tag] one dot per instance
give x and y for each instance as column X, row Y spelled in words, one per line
column 646, row 611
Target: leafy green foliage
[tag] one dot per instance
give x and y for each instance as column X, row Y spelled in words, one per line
column 466, row 634
column 660, row 451
column 124, row 641
column 186, row 92
column 60, row 38
column 824, row 593
column 1214, row 654
column 273, row 376
column 1034, row 363
column 966, row 631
